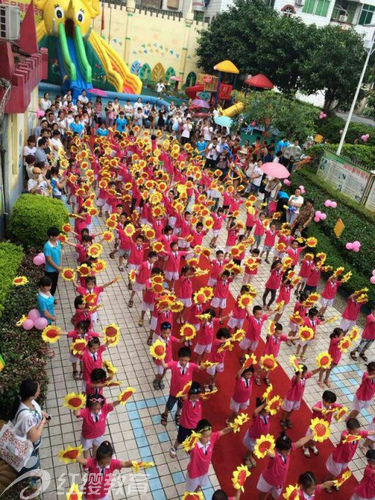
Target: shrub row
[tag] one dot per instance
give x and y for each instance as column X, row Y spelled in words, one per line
column 360, row 154
column 331, row 126
column 32, row 215
column 358, row 226
column 10, row 260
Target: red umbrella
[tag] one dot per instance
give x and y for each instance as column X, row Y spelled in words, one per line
column 260, row 81
column 99, row 92
column 275, row 170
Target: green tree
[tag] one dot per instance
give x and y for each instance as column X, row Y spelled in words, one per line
column 333, row 65
column 293, row 118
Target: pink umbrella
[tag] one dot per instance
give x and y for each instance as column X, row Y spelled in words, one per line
column 200, row 103
column 275, row 170
column 99, row 92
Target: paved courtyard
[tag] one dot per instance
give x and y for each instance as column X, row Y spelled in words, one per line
column 135, row 429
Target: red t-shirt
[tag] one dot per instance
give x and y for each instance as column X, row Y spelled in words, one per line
column 366, row 487
column 222, row 288
column 259, row 228
column 334, row 350
column 269, row 240
column 255, row 327
column 330, row 289
column 261, row 426
column 366, row 390
column 243, row 389
column 180, row 376
column 294, row 253
column 296, row 391
column 274, row 281
column 89, row 363
column 369, row 330
column 191, row 414
column 217, row 267
column 344, row 452
column 277, row 469
column 351, row 310
column 94, row 425
column 99, row 480
column 200, row 457
column 273, row 344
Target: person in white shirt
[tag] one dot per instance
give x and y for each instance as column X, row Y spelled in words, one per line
column 256, row 177
column 56, row 143
column 45, row 102
column 207, row 131
column 186, row 131
column 38, row 184
column 62, row 123
column 160, row 87
column 138, row 104
column 116, row 106
column 212, row 154
column 295, row 202
column 128, row 108
column 30, row 148
column 83, row 97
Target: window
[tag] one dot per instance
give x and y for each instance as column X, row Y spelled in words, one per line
column 366, row 14
column 317, row 7
column 344, row 15
column 198, row 16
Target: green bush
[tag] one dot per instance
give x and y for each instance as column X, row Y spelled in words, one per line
column 33, row 215
column 358, row 226
column 10, row 260
column 330, row 128
column 357, row 153
column 21, row 350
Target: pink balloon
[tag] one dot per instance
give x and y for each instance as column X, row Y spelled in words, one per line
column 323, row 216
column 302, row 188
column 253, row 124
column 316, row 219
column 28, row 324
column 373, row 272
column 40, row 113
column 327, row 203
column 34, row 314
column 355, row 249
column 287, row 182
column 38, row 261
column 41, row 323
column 356, row 243
column 349, row 246
column 318, row 213
column 42, row 257
column 372, row 280
column 333, row 204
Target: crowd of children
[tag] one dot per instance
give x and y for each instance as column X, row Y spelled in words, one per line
column 154, row 197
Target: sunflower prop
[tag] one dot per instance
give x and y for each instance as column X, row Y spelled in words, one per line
column 51, row 334
column 239, row 421
column 244, row 300
column 263, row 445
column 311, row 242
column 196, row 495
column 293, row 360
column 226, row 346
column 184, row 390
column 280, row 247
column 208, row 364
column 271, row 328
column 111, row 330
column 77, row 346
column 89, row 299
column 74, row 493
column 345, row 476
column 250, row 360
column 351, row 438
column 312, row 298
column 306, row 333
column 20, row 280
column 108, row 366
column 206, row 395
column 292, row 492
column 83, row 270
column 191, row 441
column 354, row 333
column 108, row 236
column 268, row 362
column 287, row 263
column 158, row 349
column 338, row 271
column 136, row 465
column 188, row 331
column 112, row 341
column 274, row 405
column 296, row 318
column 344, row 344
column 324, row 360
column 239, row 477
column 132, row 275
column 320, row 429
column 71, row 453
column 68, row 274
column 74, row 401
column 113, row 383
column 125, row 395
column 99, row 266
column 340, row 413
column 238, row 335
column 267, row 393
column 332, row 320
column 95, row 250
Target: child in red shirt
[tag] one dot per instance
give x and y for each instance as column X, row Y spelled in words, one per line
column 143, row 275
column 284, row 296
column 366, row 487
column 269, row 241
column 313, row 277
column 149, row 296
column 368, row 337
column 217, row 356
column 351, row 311
column 167, row 338
column 237, row 319
column 300, row 308
column 81, row 331
column 294, row 252
column 94, row 422
column 240, row 399
column 260, row 427
column 365, row 392
column 252, row 269
column 221, row 291
column 217, row 266
column 190, row 416
column 328, row 294
column 309, row 487
column 218, row 218
column 259, row 229
column 250, row 342
column 335, row 352
column 92, row 288
column 304, row 271
column 232, row 237
column 273, row 283
column 91, row 359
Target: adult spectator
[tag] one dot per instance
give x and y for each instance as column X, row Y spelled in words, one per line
column 82, row 98
column 128, row 109
column 295, row 202
column 138, row 117
column 29, row 420
column 256, row 177
column 305, row 216
column 212, row 153
column 45, row 102
column 116, row 106
column 138, row 104
column 38, row 184
column 160, row 87
column 102, row 131
column 77, row 127
column 52, row 253
column 29, row 165
column 121, row 122
column 98, row 108
column 41, row 152
column 186, row 131
column 56, row 143
column 30, row 148
column 291, row 155
column 282, row 144
column 273, row 186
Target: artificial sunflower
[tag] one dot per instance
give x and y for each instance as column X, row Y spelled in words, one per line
column 239, row 477
column 83, row 270
column 238, row 422
column 74, row 493
column 263, row 445
column 191, row 441
column 332, row 320
column 95, row 250
column 177, row 306
column 71, row 453
column 340, row 481
column 112, row 341
column 340, row 413
column 351, row 438
column 271, row 328
column 292, row 492
column 324, row 360
column 77, row 346
column 354, row 333
column 51, row 334
column 306, row 333
column 250, row 360
column 267, row 393
column 320, row 429
column 274, row 405
column 99, row 266
column 132, row 275
column 125, row 395
column 208, row 222
column 293, row 360
column 188, row 331
column 311, row 242
column 238, row 335
column 20, row 280
column 108, row 236
column 111, row 330
column 281, row 247
column 184, row 390
column 75, row 401
column 208, row 364
column 68, row 274
column 244, row 300
column 206, row 395
column 136, row 465
column 268, row 362
column 108, row 366
column 158, row 349
column 344, row 344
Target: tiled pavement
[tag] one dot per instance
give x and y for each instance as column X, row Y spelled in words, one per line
column 134, row 429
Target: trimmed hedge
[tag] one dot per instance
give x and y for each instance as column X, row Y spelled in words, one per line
column 359, row 224
column 361, row 154
column 21, row 350
column 33, row 215
column 330, row 128
column 10, row 260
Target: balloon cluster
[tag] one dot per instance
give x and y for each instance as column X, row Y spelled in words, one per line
column 355, row 246
column 372, row 279
column 40, row 113
column 34, row 320
column 287, row 182
column 330, row 204
column 322, row 115
column 40, row 259
column 365, row 137
column 319, row 216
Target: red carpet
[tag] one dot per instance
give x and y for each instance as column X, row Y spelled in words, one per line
column 229, row 450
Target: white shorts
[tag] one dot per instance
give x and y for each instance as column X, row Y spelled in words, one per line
column 177, row 231
column 171, row 275
column 216, row 232
column 89, row 443
column 347, row 324
column 99, row 202
column 144, row 221
column 220, row 303
column 107, row 208
column 193, row 484
column 303, row 280
column 335, row 468
column 202, row 348
column 124, row 253
column 234, row 406
column 371, row 427
column 235, row 322
column 249, row 442
column 145, row 306
column 154, row 323
column 279, row 255
column 172, row 221
column 215, row 369
column 159, row 369
column 74, row 359
column 326, row 302
column 94, row 317
column 293, row 327
column 357, row 497
column 139, row 287
column 305, row 342
column 133, row 267
column 186, row 302
column 183, row 244
column 265, row 487
column 359, row 405
column 197, row 326
column 247, row 344
column 228, row 248
column 291, row 405
column 212, row 282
